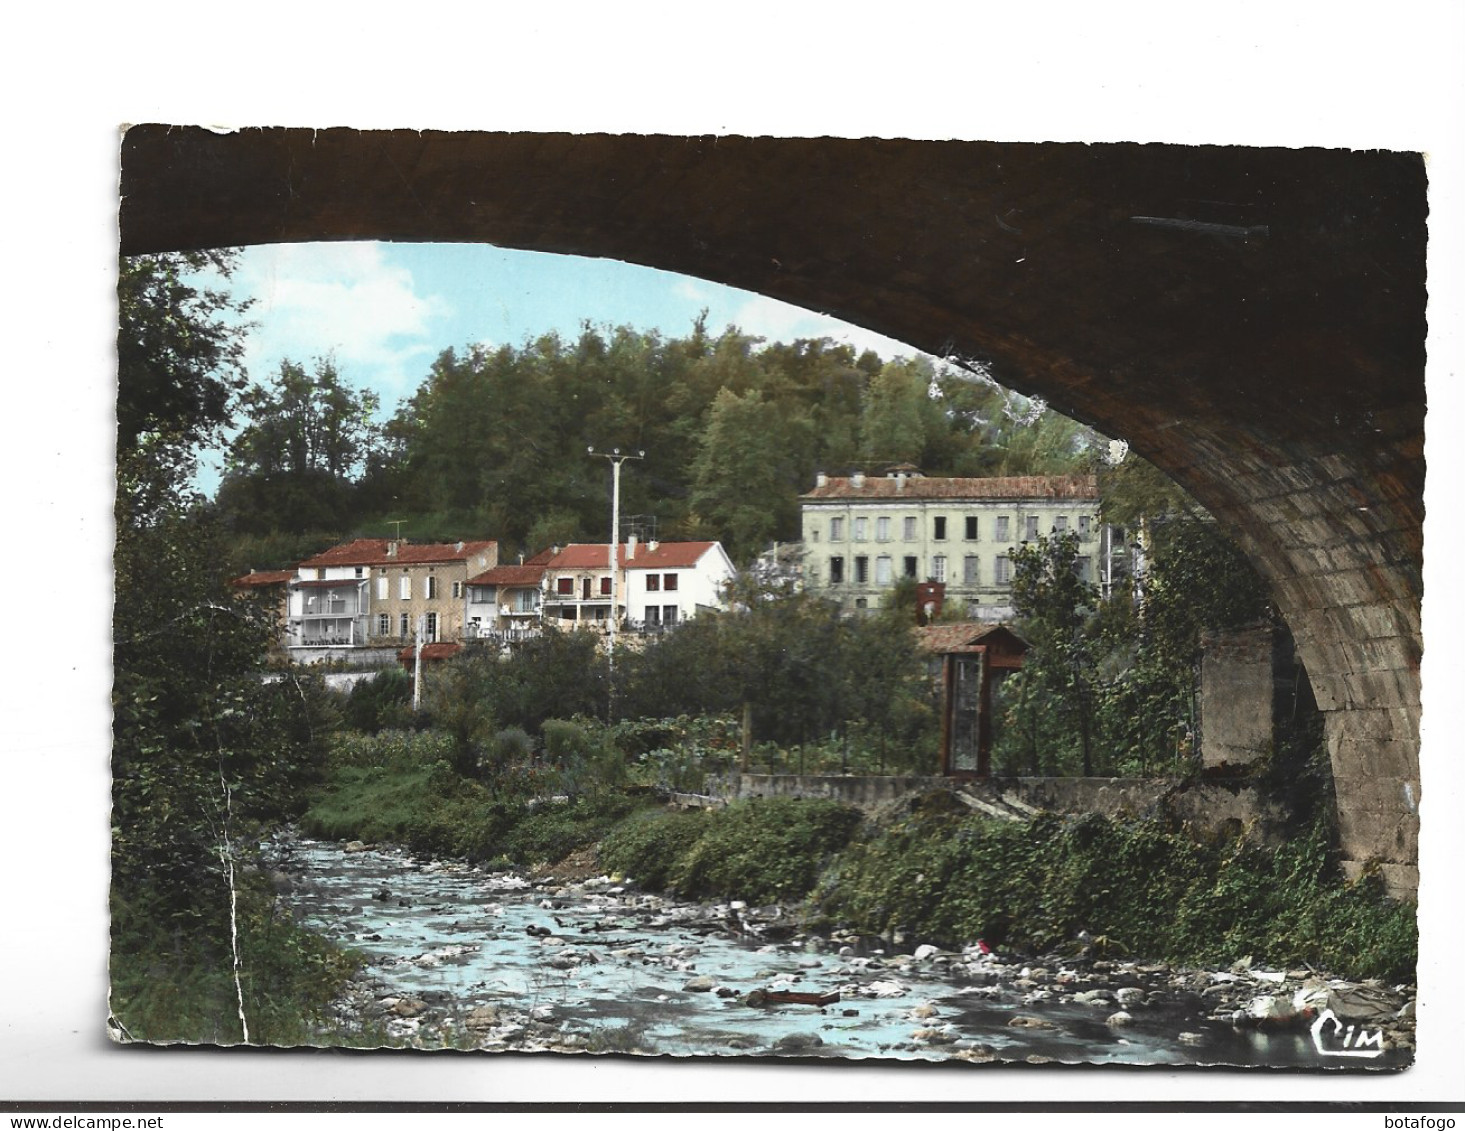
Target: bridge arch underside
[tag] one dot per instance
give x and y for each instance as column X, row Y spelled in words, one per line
column 1251, row 320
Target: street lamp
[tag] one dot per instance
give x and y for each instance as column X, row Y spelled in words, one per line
column 616, row 459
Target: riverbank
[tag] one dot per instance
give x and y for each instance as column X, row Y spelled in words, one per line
column 925, row 869
column 460, row 957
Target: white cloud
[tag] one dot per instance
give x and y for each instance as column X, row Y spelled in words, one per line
column 345, row 299
column 781, row 321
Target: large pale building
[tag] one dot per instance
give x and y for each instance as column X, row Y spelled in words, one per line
column 863, row 533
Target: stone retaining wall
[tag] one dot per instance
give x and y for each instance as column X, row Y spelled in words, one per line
column 1210, row 807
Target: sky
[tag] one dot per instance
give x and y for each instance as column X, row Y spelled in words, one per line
column 386, row 310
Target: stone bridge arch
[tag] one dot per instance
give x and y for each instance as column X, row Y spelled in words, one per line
column 1252, row 320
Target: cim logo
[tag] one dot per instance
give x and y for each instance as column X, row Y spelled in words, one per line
column 1351, row 1043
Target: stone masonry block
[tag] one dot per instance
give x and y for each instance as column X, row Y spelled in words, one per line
column 1388, row 759
column 1390, row 724
column 1382, row 689
column 1367, row 836
column 1401, row 881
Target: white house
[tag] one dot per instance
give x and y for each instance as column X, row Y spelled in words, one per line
column 655, row 584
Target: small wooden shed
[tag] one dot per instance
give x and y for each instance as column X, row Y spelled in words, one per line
column 970, row 661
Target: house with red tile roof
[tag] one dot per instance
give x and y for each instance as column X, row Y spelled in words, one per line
column 371, row 592
column 655, row 585
column 862, row 533
column 505, row 602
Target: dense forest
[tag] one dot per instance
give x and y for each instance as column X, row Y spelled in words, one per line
column 493, row 443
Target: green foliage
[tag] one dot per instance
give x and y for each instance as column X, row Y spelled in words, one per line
column 1148, row 890
column 1053, row 716
column 204, row 751
column 764, row 850
column 585, row 755
column 649, row 847
column 170, row 986
column 382, row 702
column 180, row 352
column 1111, row 689
column 295, row 466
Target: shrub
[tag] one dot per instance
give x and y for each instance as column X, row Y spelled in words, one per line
column 765, row 850
column 384, row 701
column 651, row 846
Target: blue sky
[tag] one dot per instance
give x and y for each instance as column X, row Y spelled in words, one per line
column 387, row 310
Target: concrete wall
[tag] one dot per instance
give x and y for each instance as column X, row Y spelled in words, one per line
column 1209, row 807
column 1236, row 696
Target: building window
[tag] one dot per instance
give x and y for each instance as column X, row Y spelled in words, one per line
column 404, row 588
column 861, row 603
column 565, row 586
column 813, row 534
column 653, row 583
column 862, row 570
column 836, row 530
column 836, row 571
column 383, row 589
column 912, row 566
column 938, row 568
column 526, row 600
column 431, row 633
column 862, row 529
column 669, row 582
column 1060, row 524
column 384, row 624
column 668, row 614
column 429, row 587
column 403, row 628
column 908, row 529
column 653, row 615
column 971, row 528
column 882, row 571
column 1030, row 532
column 882, row 530
column 970, row 573
column 1084, row 527
column 360, row 571
column 605, row 586
column 1002, row 570
column 1004, row 528
column 940, row 531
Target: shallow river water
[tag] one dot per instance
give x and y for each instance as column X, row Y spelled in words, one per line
column 491, row 960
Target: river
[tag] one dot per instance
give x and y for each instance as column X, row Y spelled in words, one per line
column 458, row 957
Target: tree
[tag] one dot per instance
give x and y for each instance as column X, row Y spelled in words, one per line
column 1054, row 606
column 203, row 750
column 893, row 424
column 179, row 353
column 309, row 440
column 742, row 478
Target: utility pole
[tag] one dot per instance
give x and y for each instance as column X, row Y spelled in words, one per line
column 417, row 664
column 616, row 459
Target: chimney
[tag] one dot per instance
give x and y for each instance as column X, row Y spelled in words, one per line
column 857, row 480
column 652, row 545
column 631, row 548
column 392, row 549
column 821, row 479
column 458, row 548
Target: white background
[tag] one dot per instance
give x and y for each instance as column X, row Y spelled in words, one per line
column 1327, row 74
